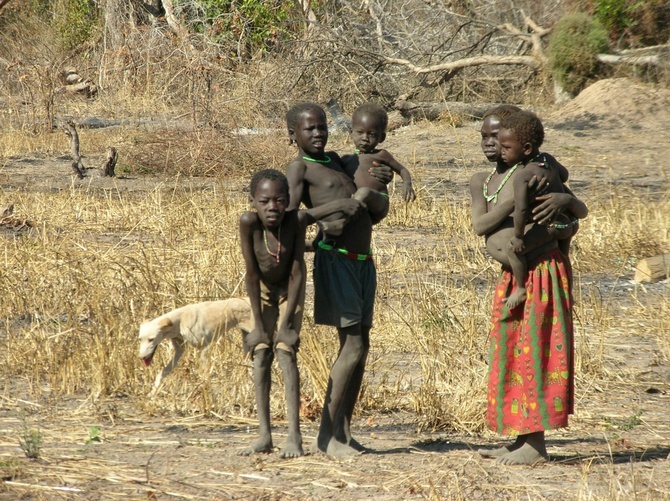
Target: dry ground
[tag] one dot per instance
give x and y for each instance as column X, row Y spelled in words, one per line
column 617, row 446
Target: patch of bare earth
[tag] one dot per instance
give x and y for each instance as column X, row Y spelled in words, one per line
column 613, row 136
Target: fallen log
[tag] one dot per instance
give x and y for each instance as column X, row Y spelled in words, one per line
column 658, row 55
column 76, row 84
column 433, row 111
column 652, row 269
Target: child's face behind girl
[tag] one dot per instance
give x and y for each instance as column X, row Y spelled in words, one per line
column 512, row 151
column 311, row 132
column 490, row 143
column 366, row 133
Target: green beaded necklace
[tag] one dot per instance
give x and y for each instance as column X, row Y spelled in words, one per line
column 316, row 160
column 494, row 198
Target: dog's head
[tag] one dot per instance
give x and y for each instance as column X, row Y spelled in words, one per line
column 151, row 335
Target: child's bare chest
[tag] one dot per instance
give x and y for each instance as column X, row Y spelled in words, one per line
column 362, row 176
column 327, row 184
column 497, row 188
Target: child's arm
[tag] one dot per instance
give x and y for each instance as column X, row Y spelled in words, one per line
column 296, row 283
column 252, row 279
column 553, row 204
column 485, row 222
column 521, row 209
column 553, row 163
column 295, row 173
column 407, row 188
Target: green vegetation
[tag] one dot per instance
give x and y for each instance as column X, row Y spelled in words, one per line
column 575, row 43
column 30, row 440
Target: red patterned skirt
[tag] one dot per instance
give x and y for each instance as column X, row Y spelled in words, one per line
column 531, row 371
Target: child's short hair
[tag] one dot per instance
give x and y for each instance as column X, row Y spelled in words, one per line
column 501, row 111
column 527, row 127
column 269, row 175
column 293, row 114
column 375, row 111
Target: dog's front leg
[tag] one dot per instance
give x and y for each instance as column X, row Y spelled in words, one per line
column 178, row 345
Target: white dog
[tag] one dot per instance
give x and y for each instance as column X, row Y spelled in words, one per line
column 196, row 324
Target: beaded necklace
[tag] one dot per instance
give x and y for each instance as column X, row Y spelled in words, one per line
column 267, row 247
column 324, row 161
column 494, row 198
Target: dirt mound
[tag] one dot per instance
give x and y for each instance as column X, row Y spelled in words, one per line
column 616, row 102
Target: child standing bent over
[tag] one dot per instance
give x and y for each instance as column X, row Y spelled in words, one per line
column 273, row 246
column 368, row 124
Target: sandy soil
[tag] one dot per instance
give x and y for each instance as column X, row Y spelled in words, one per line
column 614, row 135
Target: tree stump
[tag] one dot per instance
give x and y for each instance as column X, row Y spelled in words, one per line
column 652, row 269
column 110, row 163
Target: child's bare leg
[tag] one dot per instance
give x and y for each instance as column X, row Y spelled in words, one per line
column 519, row 266
column 339, row 386
column 342, row 428
column 563, row 236
column 496, row 245
column 334, row 227
column 262, row 369
column 501, row 451
column 289, row 367
column 376, row 202
column 536, row 236
column 532, row 451
column 564, row 246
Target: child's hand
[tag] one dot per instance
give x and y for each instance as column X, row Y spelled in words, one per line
column 289, row 337
column 538, row 184
column 516, row 244
column 408, row 192
column 254, row 338
column 381, row 172
column 552, row 204
column 351, row 207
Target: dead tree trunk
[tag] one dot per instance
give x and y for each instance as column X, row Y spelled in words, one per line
column 110, row 163
column 77, row 165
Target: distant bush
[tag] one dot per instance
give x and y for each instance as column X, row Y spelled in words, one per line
column 252, row 25
column 75, row 21
column 575, row 42
column 630, row 23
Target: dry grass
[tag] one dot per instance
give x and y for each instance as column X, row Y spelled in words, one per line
column 98, row 263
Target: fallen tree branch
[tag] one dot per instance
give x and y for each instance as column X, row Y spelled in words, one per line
column 656, row 60
column 468, row 62
column 432, row 111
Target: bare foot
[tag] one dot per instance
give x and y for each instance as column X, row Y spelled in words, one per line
column 333, row 228
column 516, row 298
column 526, row 454
column 292, row 449
column 261, row 445
column 356, row 445
column 336, row 448
column 501, row 451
